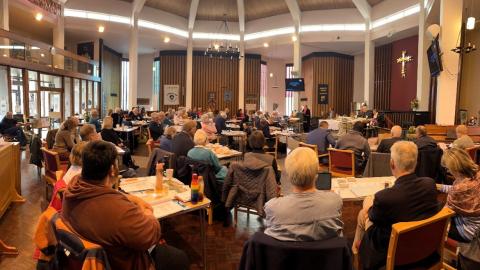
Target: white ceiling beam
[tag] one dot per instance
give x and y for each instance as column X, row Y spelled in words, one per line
column 294, row 11
column 193, row 14
column 241, row 15
column 364, row 8
column 137, row 6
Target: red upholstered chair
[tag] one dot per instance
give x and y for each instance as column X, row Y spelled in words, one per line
column 341, row 163
column 53, row 169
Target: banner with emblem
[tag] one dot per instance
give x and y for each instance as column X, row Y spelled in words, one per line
column 171, row 94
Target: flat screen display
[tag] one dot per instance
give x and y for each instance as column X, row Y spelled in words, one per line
column 296, row 84
column 434, row 58
column 324, row 181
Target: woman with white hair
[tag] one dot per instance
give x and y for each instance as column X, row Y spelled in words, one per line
column 209, row 127
column 109, row 135
column 307, row 214
column 200, row 153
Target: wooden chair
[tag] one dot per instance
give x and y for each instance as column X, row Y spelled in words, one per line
column 54, row 169
column 473, row 153
column 274, row 150
column 341, row 163
column 314, row 147
column 412, row 242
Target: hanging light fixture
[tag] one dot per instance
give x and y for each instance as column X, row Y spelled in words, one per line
column 223, row 48
column 461, row 40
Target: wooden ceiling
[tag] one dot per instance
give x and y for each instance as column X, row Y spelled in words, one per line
column 254, row 9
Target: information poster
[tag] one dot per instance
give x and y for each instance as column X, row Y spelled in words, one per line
column 171, row 93
column 322, row 93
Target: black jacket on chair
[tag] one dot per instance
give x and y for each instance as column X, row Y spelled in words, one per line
column 386, row 144
column 426, row 143
column 182, row 143
column 266, row 253
column 429, row 164
column 411, row 198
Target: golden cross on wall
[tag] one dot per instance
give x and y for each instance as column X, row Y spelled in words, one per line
column 404, row 59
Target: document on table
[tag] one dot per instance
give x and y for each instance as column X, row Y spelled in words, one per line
column 138, row 185
column 166, row 208
column 366, row 189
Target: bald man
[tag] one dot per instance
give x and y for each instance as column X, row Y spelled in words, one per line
column 386, row 144
column 423, row 141
column 463, row 141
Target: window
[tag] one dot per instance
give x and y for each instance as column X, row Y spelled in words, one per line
column 156, row 84
column 125, row 79
column 32, row 94
column 67, row 97
column 263, row 87
column 289, row 100
column 17, row 90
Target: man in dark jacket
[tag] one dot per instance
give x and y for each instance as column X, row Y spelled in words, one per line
column 411, row 198
column 386, row 144
column 355, row 141
column 156, row 125
column 221, row 122
column 322, row 138
column 183, row 141
column 9, row 126
column 423, row 141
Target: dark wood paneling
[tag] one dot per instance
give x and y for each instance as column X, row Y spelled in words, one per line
column 173, row 71
column 214, row 75
column 111, row 80
column 337, row 72
column 383, row 77
column 252, row 81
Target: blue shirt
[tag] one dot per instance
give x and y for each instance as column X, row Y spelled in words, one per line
column 96, row 123
column 202, row 154
column 166, row 144
column 322, row 138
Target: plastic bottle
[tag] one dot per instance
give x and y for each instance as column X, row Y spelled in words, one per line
column 159, row 178
column 201, row 187
column 194, row 189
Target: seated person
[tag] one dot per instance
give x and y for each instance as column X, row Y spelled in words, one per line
column 74, row 171
column 95, row 121
column 220, row 122
column 411, row 198
column 10, row 127
column 239, row 115
column 117, row 117
column 307, row 214
column 124, row 225
column 257, row 141
column 109, row 135
column 423, row 141
column 462, row 195
column 264, row 127
column 135, row 115
column 200, row 153
column 355, row 141
column 166, row 142
column 156, row 125
column 64, row 139
column 183, row 141
column 89, row 133
column 322, row 138
column 463, row 141
column 209, row 127
column 386, row 144
column 378, row 119
column 168, row 120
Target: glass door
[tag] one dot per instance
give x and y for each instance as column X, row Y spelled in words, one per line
column 17, row 91
column 51, row 90
column 4, row 100
column 76, row 97
column 67, row 110
column 83, row 87
column 33, row 92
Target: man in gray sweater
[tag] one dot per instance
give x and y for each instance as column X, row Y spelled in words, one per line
column 355, row 141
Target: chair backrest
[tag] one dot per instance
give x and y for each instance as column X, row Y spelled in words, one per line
column 341, row 162
column 472, row 152
column 73, row 251
column 411, row 242
column 149, row 134
column 429, row 164
column 274, row 153
column 314, row 147
column 264, row 252
column 51, row 138
column 51, row 159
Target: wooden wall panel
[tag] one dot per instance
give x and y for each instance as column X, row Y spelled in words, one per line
column 333, row 69
column 214, row 75
column 173, row 71
column 383, row 77
column 111, row 80
column 252, row 80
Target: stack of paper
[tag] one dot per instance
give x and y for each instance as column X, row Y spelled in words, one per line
column 166, row 208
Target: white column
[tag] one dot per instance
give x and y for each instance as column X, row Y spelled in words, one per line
column 241, row 74
column 4, row 19
column 59, row 39
column 297, row 65
column 422, row 98
column 189, row 84
column 451, row 25
column 369, row 66
column 133, row 62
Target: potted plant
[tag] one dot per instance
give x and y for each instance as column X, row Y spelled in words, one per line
column 414, row 104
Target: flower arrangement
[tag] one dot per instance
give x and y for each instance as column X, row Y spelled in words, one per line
column 414, row 104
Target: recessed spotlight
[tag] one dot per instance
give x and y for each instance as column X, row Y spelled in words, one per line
column 166, row 39
column 294, row 38
column 4, row 55
column 101, row 29
column 42, row 55
column 271, row 75
column 38, row 16
column 265, row 45
column 216, row 46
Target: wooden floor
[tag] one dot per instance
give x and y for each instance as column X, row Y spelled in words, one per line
column 224, row 246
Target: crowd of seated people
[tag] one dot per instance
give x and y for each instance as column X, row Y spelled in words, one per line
column 200, row 153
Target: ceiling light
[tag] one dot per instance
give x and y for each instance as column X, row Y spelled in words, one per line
column 265, row 45
column 4, row 55
column 162, row 27
column 101, row 29
column 42, row 55
column 38, row 16
column 166, row 39
column 471, row 23
column 294, row 38
column 270, row 33
column 216, row 46
column 271, row 75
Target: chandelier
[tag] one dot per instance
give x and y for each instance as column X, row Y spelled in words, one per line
column 223, row 48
